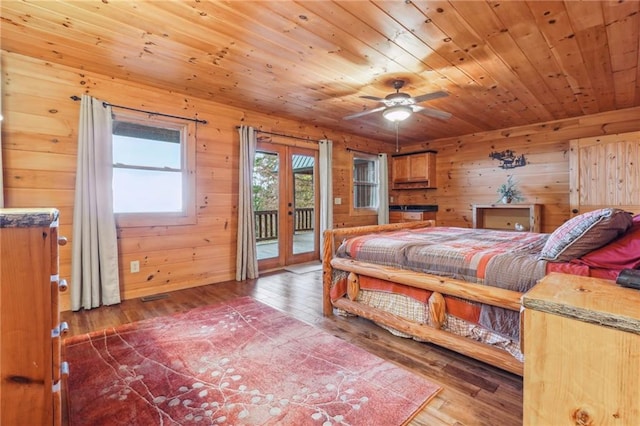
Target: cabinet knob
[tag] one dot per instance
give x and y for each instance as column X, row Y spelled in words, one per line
column 62, row 285
column 575, row 211
column 62, row 241
column 61, row 329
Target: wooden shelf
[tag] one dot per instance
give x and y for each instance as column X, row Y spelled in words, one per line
column 506, row 216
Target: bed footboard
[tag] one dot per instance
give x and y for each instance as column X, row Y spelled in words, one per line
column 333, row 238
column 440, row 286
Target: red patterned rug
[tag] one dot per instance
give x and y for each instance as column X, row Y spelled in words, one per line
column 237, row 363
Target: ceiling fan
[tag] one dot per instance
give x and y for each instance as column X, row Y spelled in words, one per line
column 399, row 106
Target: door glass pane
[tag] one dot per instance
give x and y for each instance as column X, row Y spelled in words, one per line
column 304, row 203
column 265, row 203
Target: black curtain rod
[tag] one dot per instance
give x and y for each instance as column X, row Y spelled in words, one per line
column 106, row 104
column 286, row 136
column 362, row 152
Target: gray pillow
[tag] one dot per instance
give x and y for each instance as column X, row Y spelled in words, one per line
column 584, row 233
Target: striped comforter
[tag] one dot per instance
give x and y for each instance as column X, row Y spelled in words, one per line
column 498, row 258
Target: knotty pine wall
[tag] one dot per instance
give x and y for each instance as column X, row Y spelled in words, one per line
column 39, row 156
column 39, row 145
column 466, row 175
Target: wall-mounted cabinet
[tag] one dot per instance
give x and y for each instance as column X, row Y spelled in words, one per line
column 414, row 171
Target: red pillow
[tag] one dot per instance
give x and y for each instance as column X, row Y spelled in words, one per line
column 622, row 253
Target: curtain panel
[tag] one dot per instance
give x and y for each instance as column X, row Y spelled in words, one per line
column 326, row 189
column 246, row 252
column 383, row 189
column 94, row 262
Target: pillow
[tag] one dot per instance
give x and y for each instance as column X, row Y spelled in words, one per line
column 584, row 233
column 622, row 253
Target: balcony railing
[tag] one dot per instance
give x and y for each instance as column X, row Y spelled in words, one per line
column 267, row 223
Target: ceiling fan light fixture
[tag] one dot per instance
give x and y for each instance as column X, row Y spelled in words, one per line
column 397, row 113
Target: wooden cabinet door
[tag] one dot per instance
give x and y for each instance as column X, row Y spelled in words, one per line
column 414, row 171
column 419, row 167
column 401, row 169
column 604, row 171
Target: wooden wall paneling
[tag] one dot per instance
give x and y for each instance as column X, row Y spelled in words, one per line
column 591, row 35
column 34, row 160
column 448, row 18
column 466, row 175
column 605, row 172
column 622, row 20
column 46, row 154
column 26, row 141
column 21, row 178
column 39, row 149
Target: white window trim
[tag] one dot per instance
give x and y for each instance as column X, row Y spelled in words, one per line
column 361, row 211
column 188, row 215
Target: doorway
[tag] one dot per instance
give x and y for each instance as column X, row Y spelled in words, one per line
column 285, row 203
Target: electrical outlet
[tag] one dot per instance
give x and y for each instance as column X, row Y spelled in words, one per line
column 135, row 266
column 337, row 201
column 391, row 199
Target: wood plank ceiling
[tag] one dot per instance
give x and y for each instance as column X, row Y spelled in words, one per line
column 503, row 63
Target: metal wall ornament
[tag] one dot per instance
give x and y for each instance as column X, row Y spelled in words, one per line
column 508, row 159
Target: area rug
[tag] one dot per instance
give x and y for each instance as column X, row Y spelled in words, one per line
column 236, row 363
column 303, row 268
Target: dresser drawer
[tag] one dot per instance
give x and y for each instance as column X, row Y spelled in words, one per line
column 412, row 216
column 396, row 216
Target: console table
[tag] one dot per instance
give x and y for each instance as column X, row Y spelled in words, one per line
column 505, row 216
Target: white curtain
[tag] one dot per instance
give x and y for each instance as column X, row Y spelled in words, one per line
column 383, row 189
column 326, row 190
column 246, row 254
column 94, row 262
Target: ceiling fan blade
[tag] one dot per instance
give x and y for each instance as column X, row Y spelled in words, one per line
column 435, row 113
column 360, row 114
column 429, row 96
column 373, row 98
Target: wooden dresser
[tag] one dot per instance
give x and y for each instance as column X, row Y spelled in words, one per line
column 30, row 330
column 582, row 353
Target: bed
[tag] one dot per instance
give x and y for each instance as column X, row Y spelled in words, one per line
column 461, row 288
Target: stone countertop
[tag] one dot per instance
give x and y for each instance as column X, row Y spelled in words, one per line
column 414, row 207
column 28, row 217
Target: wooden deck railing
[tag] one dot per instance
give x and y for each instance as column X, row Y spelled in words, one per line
column 267, row 223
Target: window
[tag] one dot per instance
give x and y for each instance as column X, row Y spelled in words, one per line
column 153, row 171
column 365, row 182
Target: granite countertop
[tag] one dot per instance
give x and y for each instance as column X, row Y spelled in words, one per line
column 27, row 217
column 414, row 207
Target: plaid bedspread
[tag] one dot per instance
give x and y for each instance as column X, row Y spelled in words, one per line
column 498, row 258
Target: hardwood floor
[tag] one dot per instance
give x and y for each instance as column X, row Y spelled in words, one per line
column 473, row 393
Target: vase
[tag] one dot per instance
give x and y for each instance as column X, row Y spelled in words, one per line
column 506, row 200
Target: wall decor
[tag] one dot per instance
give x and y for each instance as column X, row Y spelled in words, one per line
column 508, row 159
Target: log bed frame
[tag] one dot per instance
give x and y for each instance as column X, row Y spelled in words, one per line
column 440, row 286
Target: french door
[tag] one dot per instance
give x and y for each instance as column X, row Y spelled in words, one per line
column 285, row 202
